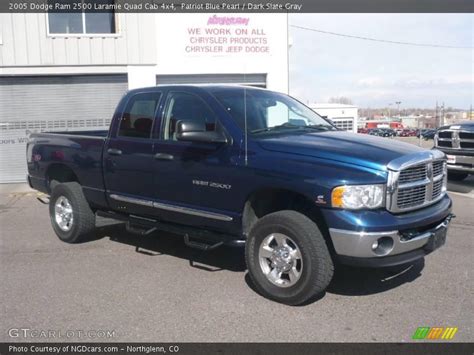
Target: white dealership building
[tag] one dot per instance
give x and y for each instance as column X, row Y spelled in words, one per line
column 343, row 116
column 63, row 71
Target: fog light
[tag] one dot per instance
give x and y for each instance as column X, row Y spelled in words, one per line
column 375, row 245
column 382, row 246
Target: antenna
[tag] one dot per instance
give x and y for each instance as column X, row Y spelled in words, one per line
column 245, row 117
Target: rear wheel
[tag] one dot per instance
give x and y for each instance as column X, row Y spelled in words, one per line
column 457, row 176
column 287, row 258
column 71, row 217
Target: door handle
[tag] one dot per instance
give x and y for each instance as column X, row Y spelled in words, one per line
column 163, row 156
column 112, row 151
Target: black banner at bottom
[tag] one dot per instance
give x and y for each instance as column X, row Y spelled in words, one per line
column 236, row 348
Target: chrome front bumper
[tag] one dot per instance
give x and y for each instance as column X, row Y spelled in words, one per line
column 359, row 244
column 462, row 164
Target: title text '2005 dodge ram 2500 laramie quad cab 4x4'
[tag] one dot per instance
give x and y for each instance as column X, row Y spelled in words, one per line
column 301, row 194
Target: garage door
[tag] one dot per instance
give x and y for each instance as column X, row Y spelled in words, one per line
column 48, row 103
column 247, row 79
column 346, row 123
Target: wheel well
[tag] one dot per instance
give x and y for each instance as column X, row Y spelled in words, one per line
column 60, row 173
column 267, row 201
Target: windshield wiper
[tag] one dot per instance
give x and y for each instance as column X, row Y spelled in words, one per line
column 320, row 127
column 266, row 129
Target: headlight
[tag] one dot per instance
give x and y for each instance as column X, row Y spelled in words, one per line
column 356, row 197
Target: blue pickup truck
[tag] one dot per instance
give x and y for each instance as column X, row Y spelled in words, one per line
column 241, row 165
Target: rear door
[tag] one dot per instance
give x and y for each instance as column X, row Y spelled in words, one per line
column 128, row 155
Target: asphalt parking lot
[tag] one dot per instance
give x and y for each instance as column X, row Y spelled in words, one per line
column 156, row 289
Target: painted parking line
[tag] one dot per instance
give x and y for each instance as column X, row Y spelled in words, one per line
column 462, row 194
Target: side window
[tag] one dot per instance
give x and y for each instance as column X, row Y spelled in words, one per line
column 137, row 119
column 186, row 107
column 277, row 114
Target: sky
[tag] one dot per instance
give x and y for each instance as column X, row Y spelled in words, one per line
column 376, row 74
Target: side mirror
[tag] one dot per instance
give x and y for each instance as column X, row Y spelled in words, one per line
column 190, row 131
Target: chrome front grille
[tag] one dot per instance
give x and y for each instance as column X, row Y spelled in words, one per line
column 437, row 168
column 413, row 196
column 414, row 173
column 445, row 134
column 454, row 139
column 437, row 189
column 415, row 183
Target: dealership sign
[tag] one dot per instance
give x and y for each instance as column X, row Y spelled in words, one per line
column 224, row 35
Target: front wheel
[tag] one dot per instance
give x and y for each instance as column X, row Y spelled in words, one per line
column 287, row 258
column 71, row 217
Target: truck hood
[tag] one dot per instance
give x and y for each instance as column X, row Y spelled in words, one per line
column 352, row 148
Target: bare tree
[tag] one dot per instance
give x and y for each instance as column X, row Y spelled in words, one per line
column 340, row 100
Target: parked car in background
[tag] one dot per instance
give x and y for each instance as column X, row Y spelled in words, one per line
column 457, row 142
column 362, row 130
column 420, row 132
column 391, row 132
column 383, row 132
column 428, row 134
column 407, row 133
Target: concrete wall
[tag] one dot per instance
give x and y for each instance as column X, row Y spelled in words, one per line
column 26, row 43
column 147, row 45
column 337, row 112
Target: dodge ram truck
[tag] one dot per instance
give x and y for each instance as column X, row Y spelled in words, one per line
column 234, row 165
column 457, row 141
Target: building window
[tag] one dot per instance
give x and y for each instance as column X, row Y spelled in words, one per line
column 83, row 22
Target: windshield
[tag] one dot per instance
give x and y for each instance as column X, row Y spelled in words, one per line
column 269, row 111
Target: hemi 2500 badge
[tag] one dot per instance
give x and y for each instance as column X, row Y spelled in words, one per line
column 216, row 185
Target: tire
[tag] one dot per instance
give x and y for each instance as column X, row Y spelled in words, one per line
column 69, row 197
column 315, row 265
column 457, row 176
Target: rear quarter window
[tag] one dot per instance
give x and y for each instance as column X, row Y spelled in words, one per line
column 138, row 116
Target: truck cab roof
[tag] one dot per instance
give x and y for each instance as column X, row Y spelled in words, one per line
column 204, row 87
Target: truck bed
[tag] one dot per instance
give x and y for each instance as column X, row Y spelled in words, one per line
column 95, row 133
column 80, row 151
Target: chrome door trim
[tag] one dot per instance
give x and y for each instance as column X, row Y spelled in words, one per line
column 136, row 201
column 172, row 208
column 192, row 211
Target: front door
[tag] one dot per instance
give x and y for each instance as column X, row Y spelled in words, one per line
column 193, row 180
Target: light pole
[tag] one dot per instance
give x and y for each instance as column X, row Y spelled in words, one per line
column 389, row 114
column 439, row 116
column 398, row 107
column 419, row 131
column 442, row 115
